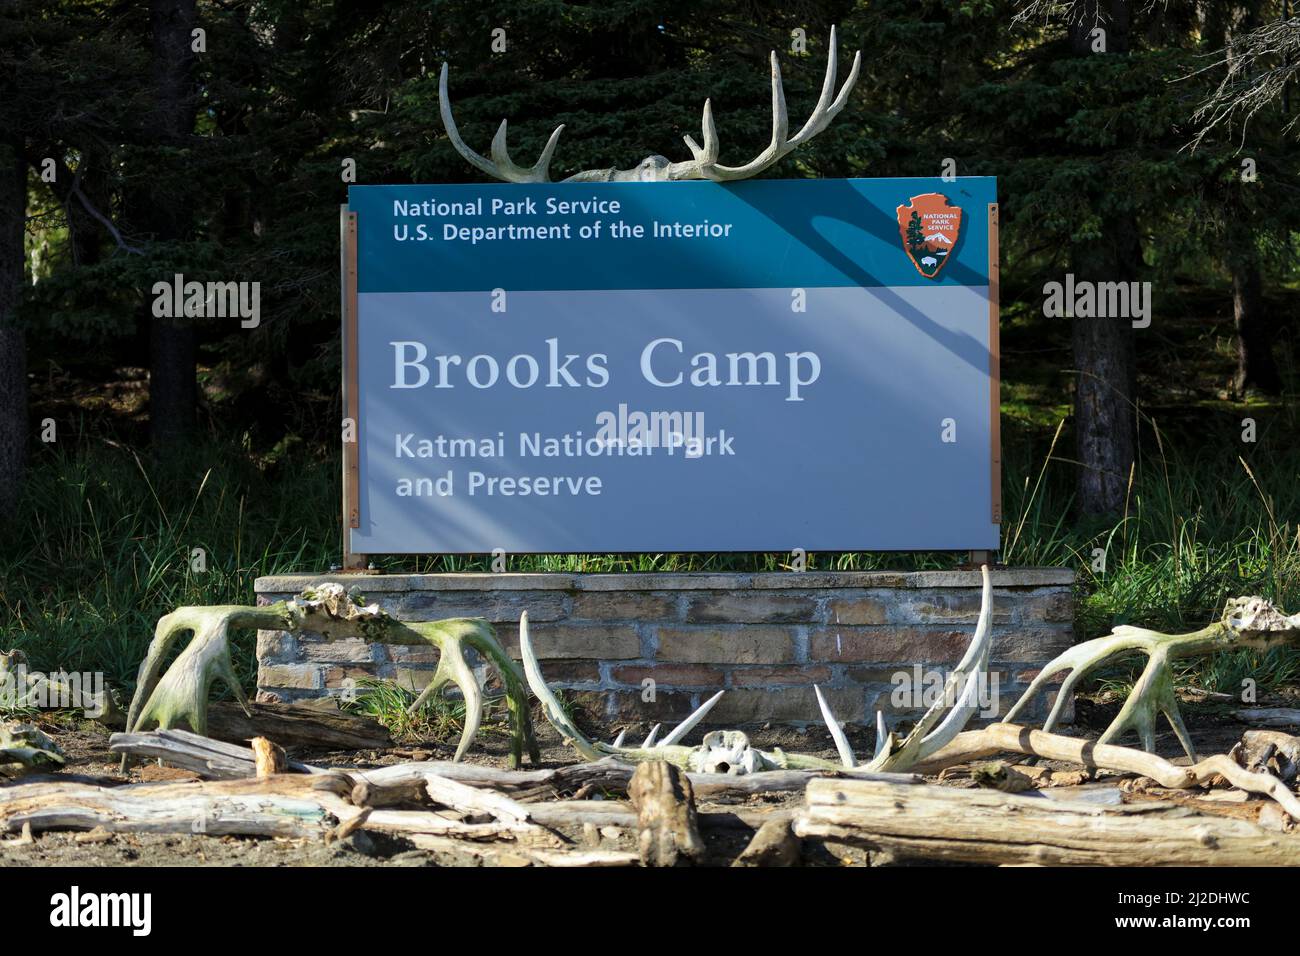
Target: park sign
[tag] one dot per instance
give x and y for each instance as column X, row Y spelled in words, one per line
column 766, row 365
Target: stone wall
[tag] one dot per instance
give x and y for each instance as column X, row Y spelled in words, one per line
column 764, row 638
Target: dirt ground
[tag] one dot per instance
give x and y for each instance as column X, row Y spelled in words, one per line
column 86, row 746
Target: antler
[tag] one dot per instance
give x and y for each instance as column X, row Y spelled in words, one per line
column 938, row 727
column 500, row 165
column 826, row 110
column 1246, row 622
column 703, row 165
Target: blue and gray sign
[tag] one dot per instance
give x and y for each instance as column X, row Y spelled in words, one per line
column 645, row 367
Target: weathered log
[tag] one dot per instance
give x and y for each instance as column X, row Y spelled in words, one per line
column 712, row 786
column 668, row 831
column 571, row 815
column 403, row 784
column 775, row 844
column 585, row 858
column 945, row 824
column 409, row 822
column 318, row 805
column 1269, row 750
column 575, row 814
column 401, row 794
column 467, row 799
column 212, row 759
column 999, row 738
column 608, row 774
column 316, row 724
column 522, row 785
column 289, row 805
column 1269, row 716
column 509, row 854
column 268, row 757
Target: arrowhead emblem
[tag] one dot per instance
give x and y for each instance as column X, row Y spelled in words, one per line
column 929, row 226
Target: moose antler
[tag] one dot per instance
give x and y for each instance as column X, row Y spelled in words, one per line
column 1246, row 622
column 703, row 165
column 330, row 611
column 729, row 751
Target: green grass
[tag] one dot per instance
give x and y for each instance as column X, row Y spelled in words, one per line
column 104, row 541
column 438, row 718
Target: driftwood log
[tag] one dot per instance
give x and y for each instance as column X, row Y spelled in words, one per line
column 1012, row 738
column 775, row 844
column 404, row 785
column 985, row 826
column 289, row 805
column 611, row 775
column 1269, row 716
column 317, row 804
column 211, row 759
column 268, row 757
column 488, row 854
column 668, row 831
column 317, row 724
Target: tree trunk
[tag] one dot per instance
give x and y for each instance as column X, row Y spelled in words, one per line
column 85, row 233
column 1255, row 365
column 173, row 391
column 13, row 347
column 1104, row 413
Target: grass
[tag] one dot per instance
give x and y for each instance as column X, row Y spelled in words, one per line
column 105, row 543
column 438, row 718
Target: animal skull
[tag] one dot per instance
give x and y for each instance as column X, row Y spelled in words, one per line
column 729, row 752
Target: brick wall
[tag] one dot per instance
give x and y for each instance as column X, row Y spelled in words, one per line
column 764, row 638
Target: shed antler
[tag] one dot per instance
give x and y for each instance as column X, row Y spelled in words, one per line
column 729, row 751
column 706, row 158
column 1246, row 622
column 947, row 716
column 703, row 165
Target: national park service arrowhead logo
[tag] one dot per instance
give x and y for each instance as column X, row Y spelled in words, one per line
column 929, row 225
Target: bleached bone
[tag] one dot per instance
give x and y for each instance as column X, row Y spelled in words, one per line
column 884, row 739
column 652, row 736
column 933, row 731
column 728, row 752
column 685, row 727
column 180, row 695
column 1246, row 622
column 837, row 732
column 935, row 728
column 704, row 162
column 618, row 741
